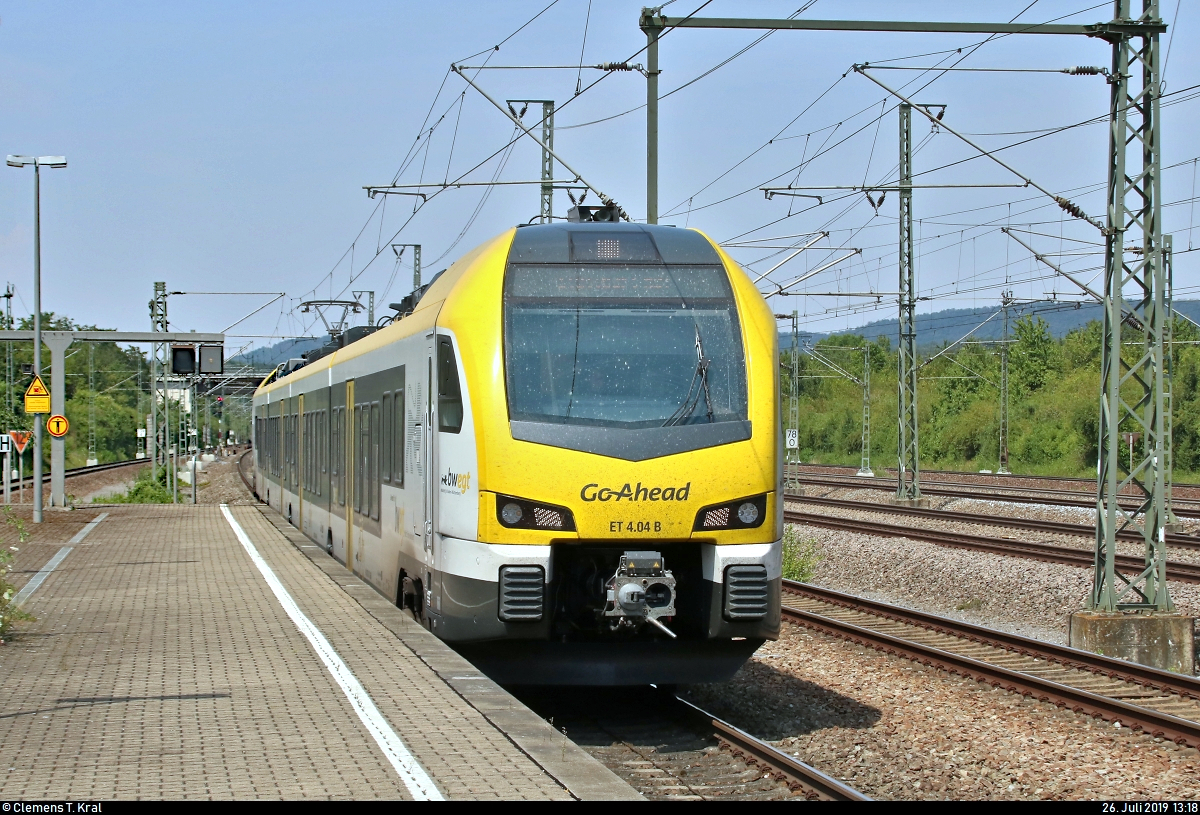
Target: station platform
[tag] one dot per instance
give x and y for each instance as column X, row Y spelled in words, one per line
column 212, row 652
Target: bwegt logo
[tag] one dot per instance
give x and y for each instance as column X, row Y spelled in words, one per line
column 461, row 482
column 594, row 492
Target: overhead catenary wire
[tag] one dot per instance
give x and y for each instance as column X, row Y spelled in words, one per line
column 583, row 46
column 350, row 251
column 970, row 51
column 877, row 124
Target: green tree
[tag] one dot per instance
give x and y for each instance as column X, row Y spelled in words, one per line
column 1033, row 355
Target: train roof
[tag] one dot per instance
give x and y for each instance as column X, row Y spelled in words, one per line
column 586, row 242
column 610, row 243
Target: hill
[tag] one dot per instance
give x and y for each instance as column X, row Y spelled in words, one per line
column 938, row 328
column 272, row 355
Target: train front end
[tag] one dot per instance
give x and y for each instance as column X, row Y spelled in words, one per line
column 629, row 448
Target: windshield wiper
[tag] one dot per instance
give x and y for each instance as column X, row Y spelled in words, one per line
column 685, row 410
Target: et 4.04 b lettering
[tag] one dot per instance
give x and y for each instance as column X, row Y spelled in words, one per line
column 635, row 526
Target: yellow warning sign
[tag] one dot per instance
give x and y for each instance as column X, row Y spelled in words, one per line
column 37, row 397
column 58, row 426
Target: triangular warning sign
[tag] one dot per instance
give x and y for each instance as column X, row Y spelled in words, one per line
column 20, row 439
column 37, row 388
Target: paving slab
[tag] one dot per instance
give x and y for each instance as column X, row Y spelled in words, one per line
column 163, row 665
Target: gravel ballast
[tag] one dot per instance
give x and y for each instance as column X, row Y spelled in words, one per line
column 897, row 730
column 1022, row 596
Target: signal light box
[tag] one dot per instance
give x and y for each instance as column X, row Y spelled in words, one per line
column 183, row 359
column 212, row 359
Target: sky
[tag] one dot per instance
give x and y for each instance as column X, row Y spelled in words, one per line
column 223, row 148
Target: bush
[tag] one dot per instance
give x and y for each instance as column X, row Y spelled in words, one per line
column 150, row 487
column 800, row 555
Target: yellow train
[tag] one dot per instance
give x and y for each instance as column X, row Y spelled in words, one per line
column 563, row 455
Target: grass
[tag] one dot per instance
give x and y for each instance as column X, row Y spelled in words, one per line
column 10, row 614
column 800, row 555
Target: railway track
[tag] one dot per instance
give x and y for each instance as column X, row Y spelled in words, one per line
column 77, row 471
column 1159, row 703
column 1182, row 541
column 242, row 472
column 74, row 472
column 1072, row 483
column 1183, row 572
column 668, row 748
column 1032, row 495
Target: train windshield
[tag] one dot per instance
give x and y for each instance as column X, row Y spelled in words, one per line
column 622, row 345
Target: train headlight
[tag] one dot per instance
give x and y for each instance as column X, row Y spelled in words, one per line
column 744, row 513
column 520, row 513
column 747, row 513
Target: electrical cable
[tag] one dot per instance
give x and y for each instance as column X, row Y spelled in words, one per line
column 579, row 74
column 971, row 50
column 417, row 208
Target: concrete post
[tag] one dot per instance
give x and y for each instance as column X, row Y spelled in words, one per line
column 58, row 342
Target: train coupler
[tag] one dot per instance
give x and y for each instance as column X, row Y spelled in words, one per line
column 641, row 591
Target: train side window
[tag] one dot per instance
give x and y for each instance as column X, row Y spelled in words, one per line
column 385, row 437
column 357, row 463
column 338, row 462
column 375, row 486
column 398, row 431
column 450, row 407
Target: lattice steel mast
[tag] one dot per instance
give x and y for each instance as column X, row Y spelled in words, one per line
column 864, row 467
column 547, row 161
column 1134, row 210
column 1006, row 299
column 908, row 476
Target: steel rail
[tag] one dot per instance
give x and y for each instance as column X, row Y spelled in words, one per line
column 76, row 471
column 245, row 480
column 1179, row 684
column 1157, row 724
column 1183, row 508
column 1088, row 484
column 795, row 773
column 1054, row 527
column 1083, row 558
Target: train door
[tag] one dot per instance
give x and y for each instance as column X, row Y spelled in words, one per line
column 428, row 483
column 302, row 481
column 427, row 444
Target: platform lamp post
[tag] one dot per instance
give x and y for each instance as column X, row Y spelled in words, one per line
column 58, row 163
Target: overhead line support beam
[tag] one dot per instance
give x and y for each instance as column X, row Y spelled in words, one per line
column 1134, row 205
column 1104, row 30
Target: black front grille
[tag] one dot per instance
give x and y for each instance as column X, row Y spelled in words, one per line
column 522, row 589
column 746, row 592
